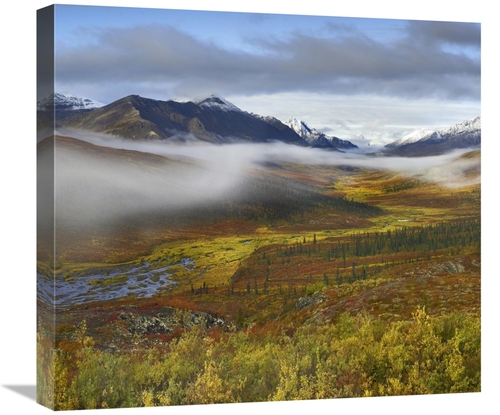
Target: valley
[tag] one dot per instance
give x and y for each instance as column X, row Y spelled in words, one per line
column 291, row 264
column 247, row 207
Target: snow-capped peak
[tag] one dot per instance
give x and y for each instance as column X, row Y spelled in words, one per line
column 412, row 137
column 60, row 101
column 216, row 101
column 303, row 130
column 464, row 126
column 472, row 126
column 316, row 138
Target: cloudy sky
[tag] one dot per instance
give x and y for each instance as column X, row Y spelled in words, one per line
column 380, row 78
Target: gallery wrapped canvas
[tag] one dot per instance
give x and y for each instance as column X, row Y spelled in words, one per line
column 243, row 207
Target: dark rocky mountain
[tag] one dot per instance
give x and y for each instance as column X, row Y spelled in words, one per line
column 213, row 120
column 466, row 134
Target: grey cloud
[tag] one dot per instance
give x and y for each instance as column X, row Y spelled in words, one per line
column 360, row 64
column 151, row 57
column 465, row 34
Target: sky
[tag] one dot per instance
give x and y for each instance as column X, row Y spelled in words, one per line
column 379, row 78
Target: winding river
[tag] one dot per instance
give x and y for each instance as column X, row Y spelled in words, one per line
column 104, row 284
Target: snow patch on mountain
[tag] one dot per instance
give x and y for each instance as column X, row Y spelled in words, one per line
column 412, row 137
column 467, row 126
column 316, row 138
column 311, row 135
column 472, row 126
column 69, row 102
column 266, row 118
column 217, row 102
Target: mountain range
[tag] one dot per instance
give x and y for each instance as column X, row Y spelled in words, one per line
column 427, row 142
column 214, row 119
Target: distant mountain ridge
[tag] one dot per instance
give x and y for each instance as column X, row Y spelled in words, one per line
column 70, row 102
column 466, row 134
column 411, row 138
column 211, row 119
column 316, row 138
column 216, row 120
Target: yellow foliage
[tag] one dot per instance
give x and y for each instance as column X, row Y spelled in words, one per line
column 354, row 356
column 147, row 398
column 209, row 388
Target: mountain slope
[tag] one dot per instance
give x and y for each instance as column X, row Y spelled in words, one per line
column 413, row 137
column 466, row 134
column 316, row 138
column 212, row 119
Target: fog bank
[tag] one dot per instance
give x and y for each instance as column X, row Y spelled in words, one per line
column 95, row 186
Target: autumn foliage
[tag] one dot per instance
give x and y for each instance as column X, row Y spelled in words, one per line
column 356, row 356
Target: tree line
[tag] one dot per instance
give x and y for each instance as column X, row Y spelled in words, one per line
column 429, row 238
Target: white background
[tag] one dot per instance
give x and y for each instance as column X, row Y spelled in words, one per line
column 18, row 203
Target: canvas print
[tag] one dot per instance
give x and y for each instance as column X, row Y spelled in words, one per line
column 244, row 207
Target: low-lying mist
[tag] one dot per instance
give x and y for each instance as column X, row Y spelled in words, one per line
column 95, row 187
column 96, row 184
column 445, row 169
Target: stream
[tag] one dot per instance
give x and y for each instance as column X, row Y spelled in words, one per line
column 104, row 284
